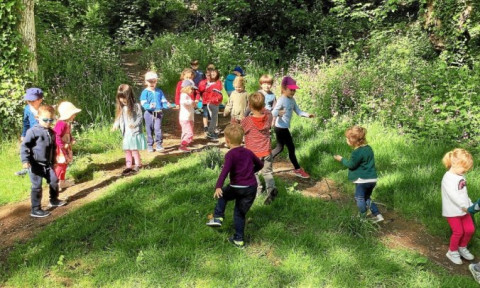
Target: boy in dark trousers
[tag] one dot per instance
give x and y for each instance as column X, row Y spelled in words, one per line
column 242, row 165
column 37, row 152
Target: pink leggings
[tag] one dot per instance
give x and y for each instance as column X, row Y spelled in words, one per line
column 462, row 231
column 187, row 132
column 136, row 157
column 60, row 170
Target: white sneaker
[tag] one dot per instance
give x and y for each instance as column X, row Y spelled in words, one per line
column 463, row 251
column 475, row 273
column 378, row 218
column 454, row 256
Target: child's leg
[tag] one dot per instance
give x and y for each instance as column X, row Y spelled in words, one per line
column 245, row 198
column 468, row 230
column 291, row 149
column 457, row 232
column 206, row 116
column 280, row 141
column 36, row 174
column 128, row 158
column 368, row 192
column 187, row 132
column 267, row 172
column 148, row 117
column 136, row 158
column 61, row 170
column 228, row 195
column 213, row 110
column 158, row 128
column 52, row 181
column 360, row 191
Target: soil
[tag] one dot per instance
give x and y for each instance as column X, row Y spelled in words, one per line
column 16, row 226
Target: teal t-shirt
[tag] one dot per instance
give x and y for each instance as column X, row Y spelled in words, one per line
column 361, row 164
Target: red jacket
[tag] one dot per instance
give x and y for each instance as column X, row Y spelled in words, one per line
column 211, row 92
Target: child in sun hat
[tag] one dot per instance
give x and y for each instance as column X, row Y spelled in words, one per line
column 228, row 83
column 37, row 154
column 283, row 112
column 64, row 141
column 186, row 113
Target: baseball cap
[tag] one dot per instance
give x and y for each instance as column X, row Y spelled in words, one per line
column 33, row 94
column 289, row 83
column 150, row 75
column 188, row 83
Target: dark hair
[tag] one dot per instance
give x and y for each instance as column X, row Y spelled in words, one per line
column 217, row 77
column 125, row 91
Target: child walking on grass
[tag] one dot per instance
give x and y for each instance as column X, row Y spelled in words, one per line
column 37, row 153
column 241, row 164
column 361, row 170
column 257, row 127
column 283, row 112
column 129, row 119
column 186, row 114
column 455, row 202
column 64, row 141
column 153, row 102
column 237, row 103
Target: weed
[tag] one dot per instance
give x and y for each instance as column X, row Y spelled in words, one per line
column 212, row 158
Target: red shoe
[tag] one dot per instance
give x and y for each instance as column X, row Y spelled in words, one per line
column 183, row 148
column 301, row 173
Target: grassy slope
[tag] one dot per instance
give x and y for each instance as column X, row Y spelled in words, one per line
column 149, row 230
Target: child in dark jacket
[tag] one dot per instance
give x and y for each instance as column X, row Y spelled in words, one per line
column 242, row 165
column 37, row 153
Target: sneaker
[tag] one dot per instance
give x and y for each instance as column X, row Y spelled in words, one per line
column 205, row 129
column 236, row 243
column 212, row 136
column 454, row 256
column 378, row 218
column 271, row 196
column 463, row 251
column 183, row 148
column 150, row 149
column 160, row 148
column 127, row 171
column 65, row 184
column 215, row 222
column 39, row 213
column 57, row 203
column 22, row 172
column 301, row 173
column 475, row 273
column 136, row 169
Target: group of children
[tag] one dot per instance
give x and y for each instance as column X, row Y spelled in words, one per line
column 46, row 153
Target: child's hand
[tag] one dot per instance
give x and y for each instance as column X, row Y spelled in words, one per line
column 281, row 112
column 65, row 146
column 337, row 157
column 114, row 128
column 26, row 165
column 464, row 210
column 218, row 193
column 21, row 139
column 73, row 142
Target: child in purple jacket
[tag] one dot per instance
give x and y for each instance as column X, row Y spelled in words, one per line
column 242, row 165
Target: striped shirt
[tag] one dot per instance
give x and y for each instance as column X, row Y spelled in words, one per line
column 257, row 133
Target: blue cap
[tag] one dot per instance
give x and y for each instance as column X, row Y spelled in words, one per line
column 33, row 94
column 239, row 70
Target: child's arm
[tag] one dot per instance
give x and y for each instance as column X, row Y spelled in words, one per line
column 25, row 148
column 177, row 93
column 300, row 112
column 138, row 117
column 225, row 170
column 452, row 192
column 26, row 124
column 474, row 208
column 278, row 106
column 354, row 161
column 163, row 100
column 145, row 101
column 228, row 107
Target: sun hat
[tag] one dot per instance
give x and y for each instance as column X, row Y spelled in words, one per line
column 66, row 110
column 239, row 70
column 188, row 83
column 33, row 94
column 150, row 75
column 289, row 83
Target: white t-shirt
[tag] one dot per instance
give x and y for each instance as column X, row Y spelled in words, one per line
column 454, row 195
column 186, row 108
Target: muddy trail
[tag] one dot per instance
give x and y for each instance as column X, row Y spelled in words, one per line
column 16, row 225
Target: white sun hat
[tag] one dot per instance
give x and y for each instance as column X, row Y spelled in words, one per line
column 66, row 110
column 150, row 75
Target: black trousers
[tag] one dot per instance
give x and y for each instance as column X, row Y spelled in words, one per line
column 284, row 138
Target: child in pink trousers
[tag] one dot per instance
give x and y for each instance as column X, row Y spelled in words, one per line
column 186, row 113
column 455, row 202
column 64, row 141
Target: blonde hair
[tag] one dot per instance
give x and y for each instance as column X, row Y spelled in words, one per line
column 356, row 135
column 266, row 78
column 458, row 157
column 234, row 133
column 185, row 72
column 256, row 101
column 239, row 82
column 46, row 108
column 187, row 89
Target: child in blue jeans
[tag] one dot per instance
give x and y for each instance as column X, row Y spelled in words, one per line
column 242, row 165
column 361, row 170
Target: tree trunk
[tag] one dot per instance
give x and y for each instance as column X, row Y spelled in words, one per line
column 27, row 30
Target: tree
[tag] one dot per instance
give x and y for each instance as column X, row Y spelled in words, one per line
column 27, row 30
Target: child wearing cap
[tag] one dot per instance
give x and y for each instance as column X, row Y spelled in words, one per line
column 153, row 101
column 64, row 141
column 34, row 98
column 228, row 84
column 237, row 103
column 283, row 112
column 185, row 116
column 37, row 153
column 187, row 73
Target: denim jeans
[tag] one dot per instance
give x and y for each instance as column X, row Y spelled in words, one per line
column 37, row 173
column 244, row 198
column 363, row 191
column 153, row 124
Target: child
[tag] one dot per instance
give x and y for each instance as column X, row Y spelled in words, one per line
column 455, row 202
column 33, row 97
column 283, row 112
column 237, row 71
column 266, row 82
column 129, row 120
column 202, row 86
column 361, row 170
column 153, row 101
column 199, row 76
column 257, row 138
column 37, row 153
column 241, row 164
column 64, row 141
column 187, row 73
column 186, row 113
column 237, row 103
column 212, row 97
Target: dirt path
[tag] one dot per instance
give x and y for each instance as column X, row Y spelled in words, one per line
column 16, row 226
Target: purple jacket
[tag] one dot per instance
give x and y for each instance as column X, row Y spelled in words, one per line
column 241, row 164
